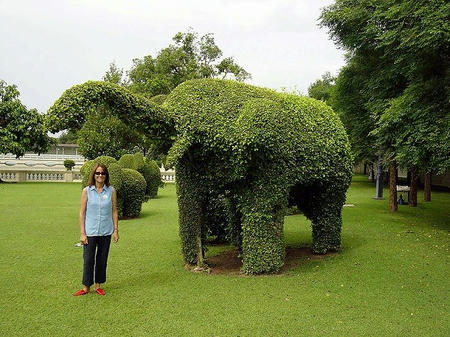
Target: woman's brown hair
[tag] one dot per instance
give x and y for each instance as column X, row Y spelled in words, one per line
column 91, row 180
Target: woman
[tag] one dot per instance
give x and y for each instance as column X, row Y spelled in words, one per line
column 98, row 221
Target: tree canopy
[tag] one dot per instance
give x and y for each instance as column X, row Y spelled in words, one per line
column 189, row 57
column 398, row 55
column 322, row 88
column 21, row 129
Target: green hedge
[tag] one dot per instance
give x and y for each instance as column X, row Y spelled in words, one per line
column 148, row 170
column 154, row 180
column 258, row 148
column 158, row 99
column 71, row 110
column 133, row 192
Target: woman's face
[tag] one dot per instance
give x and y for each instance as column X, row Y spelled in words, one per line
column 100, row 175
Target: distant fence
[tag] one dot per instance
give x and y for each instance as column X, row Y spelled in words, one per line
column 33, row 176
column 46, row 156
column 50, row 168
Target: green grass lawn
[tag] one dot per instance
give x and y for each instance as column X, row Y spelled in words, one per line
column 391, row 277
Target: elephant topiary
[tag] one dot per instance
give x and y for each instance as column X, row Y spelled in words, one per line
column 260, row 149
column 246, row 150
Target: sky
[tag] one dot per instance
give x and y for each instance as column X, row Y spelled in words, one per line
column 48, row 46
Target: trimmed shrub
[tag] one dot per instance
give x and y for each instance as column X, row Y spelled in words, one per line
column 106, row 160
column 127, row 161
column 158, row 99
column 259, row 148
column 151, row 174
column 116, row 177
column 133, row 187
column 69, row 164
column 154, row 180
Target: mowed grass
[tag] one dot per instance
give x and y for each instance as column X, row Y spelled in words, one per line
column 391, row 277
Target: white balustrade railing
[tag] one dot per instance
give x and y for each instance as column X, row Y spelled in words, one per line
column 45, row 176
column 44, row 156
column 168, row 177
column 59, row 175
column 8, row 176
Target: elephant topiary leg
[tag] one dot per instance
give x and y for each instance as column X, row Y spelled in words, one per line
column 326, row 231
column 262, row 239
column 191, row 207
column 325, row 215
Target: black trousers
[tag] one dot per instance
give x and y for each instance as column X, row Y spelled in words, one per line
column 95, row 254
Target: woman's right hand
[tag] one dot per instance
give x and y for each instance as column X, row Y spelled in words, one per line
column 83, row 239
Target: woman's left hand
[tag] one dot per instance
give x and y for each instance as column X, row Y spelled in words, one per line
column 115, row 237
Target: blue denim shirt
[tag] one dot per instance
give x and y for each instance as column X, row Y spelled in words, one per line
column 98, row 220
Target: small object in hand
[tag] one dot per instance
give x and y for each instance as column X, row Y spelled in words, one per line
column 100, row 291
column 80, row 292
column 79, row 244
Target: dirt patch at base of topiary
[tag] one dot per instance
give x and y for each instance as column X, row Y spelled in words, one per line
column 229, row 262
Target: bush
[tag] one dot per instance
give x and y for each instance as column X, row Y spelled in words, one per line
column 154, row 178
column 116, row 180
column 127, row 161
column 158, row 99
column 147, row 168
column 69, row 164
column 257, row 147
column 133, row 186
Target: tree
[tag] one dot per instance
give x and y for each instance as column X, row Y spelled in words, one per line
column 404, row 47
column 322, row 88
column 190, row 57
column 105, row 134
column 114, row 74
column 21, row 129
column 68, row 137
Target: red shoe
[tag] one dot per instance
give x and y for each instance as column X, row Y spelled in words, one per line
column 100, row 291
column 80, row 292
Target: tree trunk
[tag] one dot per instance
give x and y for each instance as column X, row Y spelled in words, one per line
column 427, row 187
column 392, row 186
column 365, row 168
column 379, row 185
column 413, row 188
column 200, row 262
column 372, row 172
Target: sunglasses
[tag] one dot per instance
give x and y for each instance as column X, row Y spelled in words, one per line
column 100, row 173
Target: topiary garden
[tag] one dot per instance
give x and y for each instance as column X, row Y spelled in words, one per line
column 242, row 155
